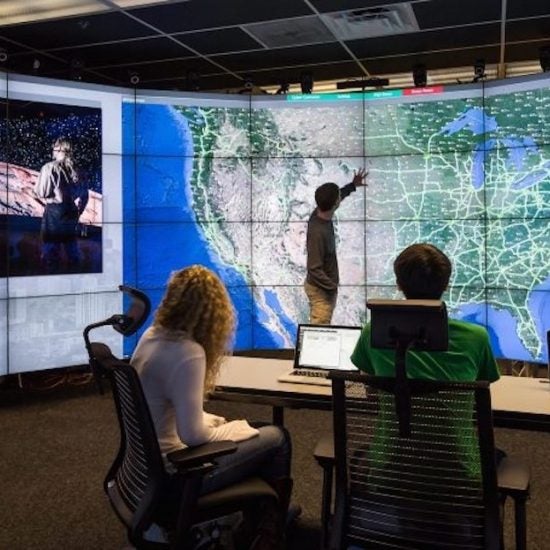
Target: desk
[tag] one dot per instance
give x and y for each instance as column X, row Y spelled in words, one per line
column 519, row 403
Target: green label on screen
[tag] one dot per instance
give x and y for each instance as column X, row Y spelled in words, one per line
column 354, row 96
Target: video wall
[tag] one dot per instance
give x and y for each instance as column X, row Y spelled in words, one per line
column 166, row 180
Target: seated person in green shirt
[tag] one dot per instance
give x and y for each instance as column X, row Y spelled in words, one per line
column 422, row 272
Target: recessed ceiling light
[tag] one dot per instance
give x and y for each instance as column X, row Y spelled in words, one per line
column 16, row 11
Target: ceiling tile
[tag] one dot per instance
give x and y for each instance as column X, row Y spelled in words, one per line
column 445, row 13
column 10, row 47
column 527, row 8
column 149, row 49
column 76, row 31
column 163, row 69
column 284, row 57
column 528, row 29
column 523, row 52
column 439, row 60
column 232, row 39
column 427, row 41
column 185, row 16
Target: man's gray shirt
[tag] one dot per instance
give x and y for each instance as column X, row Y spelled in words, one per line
column 322, row 263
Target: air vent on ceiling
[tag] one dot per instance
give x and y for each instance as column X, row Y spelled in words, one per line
column 370, row 22
column 290, row 32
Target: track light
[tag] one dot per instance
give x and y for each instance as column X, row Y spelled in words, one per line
column 134, row 78
column 192, row 81
column 248, row 85
column 420, row 75
column 306, row 82
column 479, row 70
column 283, row 87
column 77, row 65
column 544, row 57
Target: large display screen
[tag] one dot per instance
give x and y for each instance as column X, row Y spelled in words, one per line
column 61, row 230
column 228, row 182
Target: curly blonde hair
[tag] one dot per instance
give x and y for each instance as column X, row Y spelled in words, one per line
column 197, row 302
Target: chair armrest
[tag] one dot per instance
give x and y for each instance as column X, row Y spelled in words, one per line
column 191, row 457
column 513, row 478
column 324, row 451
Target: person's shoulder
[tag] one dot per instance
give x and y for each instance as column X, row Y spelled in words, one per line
column 471, row 330
column 175, row 339
column 194, row 348
column 364, row 337
column 48, row 166
column 313, row 217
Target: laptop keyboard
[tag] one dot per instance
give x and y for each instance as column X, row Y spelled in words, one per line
column 304, row 376
column 312, row 373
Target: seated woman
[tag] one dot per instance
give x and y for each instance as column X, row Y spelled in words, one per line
column 177, row 360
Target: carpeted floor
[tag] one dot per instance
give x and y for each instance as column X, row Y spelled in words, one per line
column 56, row 448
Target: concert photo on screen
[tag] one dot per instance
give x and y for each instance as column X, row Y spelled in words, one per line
column 50, row 189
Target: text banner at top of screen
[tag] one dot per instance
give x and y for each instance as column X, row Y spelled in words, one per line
column 381, row 94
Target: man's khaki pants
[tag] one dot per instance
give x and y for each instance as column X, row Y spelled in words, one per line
column 321, row 304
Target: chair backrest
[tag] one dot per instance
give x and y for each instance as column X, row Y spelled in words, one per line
column 435, row 488
column 136, row 477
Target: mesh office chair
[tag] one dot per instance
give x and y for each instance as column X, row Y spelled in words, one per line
column 415, row 460
column 137, row 477
column 436, row 488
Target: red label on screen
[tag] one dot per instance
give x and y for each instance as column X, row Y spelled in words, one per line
column 423, row 91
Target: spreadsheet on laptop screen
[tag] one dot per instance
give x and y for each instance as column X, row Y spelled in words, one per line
column 326, row 347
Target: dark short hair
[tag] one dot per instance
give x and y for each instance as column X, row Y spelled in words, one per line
column 422, row 271
column 326, row 196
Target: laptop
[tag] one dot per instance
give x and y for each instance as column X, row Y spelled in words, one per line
column 320, row 349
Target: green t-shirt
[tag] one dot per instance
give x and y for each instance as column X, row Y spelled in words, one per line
column 469, row 358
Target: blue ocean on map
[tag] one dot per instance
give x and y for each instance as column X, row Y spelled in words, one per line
column 502, row 326
column 162, row 248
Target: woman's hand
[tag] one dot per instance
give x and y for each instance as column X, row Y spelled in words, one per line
column 240, row 430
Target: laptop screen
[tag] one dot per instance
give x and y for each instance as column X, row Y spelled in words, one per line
column 325, row 347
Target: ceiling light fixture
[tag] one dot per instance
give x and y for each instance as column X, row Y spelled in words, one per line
column 479, row 70
column 544, row 58
column 306, row 82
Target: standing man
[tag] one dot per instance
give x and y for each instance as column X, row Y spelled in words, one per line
column 322, row 278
